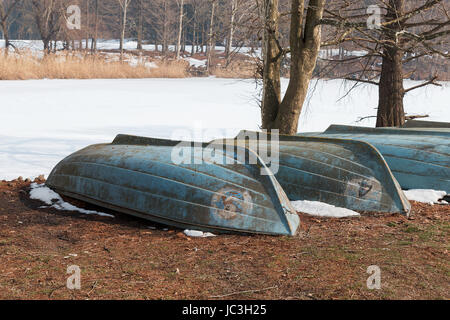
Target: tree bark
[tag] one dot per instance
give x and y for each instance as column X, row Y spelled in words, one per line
column 124, row 5
column 194, row 34
column 391, row 91
column 94, row 38
column 229, row 47
column 165, row 30
column 305, row 38
column 87, row 24
column 272, row 64
column 180, row 28
column 211, row 40
column 5, row 35
column 140, row 27
column 4, row 15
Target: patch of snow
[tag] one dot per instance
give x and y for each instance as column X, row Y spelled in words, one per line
column 198, row 234
column 53, row 200
column 320, row 209
column 426, row 196
column 196, row 63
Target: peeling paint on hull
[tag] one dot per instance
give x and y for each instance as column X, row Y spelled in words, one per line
column 140, row 179
column 340, row 172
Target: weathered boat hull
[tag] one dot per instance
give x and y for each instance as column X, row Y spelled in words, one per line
column 412, row 124
column 136, row 176
column 419, row 159
column 344, row 173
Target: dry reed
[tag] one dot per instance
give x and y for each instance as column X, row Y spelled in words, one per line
column 26, row 66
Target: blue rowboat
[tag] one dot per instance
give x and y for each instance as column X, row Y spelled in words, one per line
column 418, row 158
column 341, row 172
column 137, row 176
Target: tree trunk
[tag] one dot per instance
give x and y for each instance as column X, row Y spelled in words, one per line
column 87, row 25
column 140, row 27
column 180, row 28
column 165, row 31
column 229, row 47
column 391, row 91
column 94, row 38
column 121, row 27
column 211, row 41
column 194, row 34
column 272, row 64
column 5, row 35
column 124, row 24
column 305, row 38
column 46, row 46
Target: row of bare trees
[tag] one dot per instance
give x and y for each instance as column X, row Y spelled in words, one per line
column 199, row 24
column 389, row 33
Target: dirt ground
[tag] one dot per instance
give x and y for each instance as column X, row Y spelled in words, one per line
column 128, row 258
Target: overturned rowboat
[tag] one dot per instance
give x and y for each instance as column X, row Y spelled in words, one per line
column 341, row 172
column 418, row 158
column 138, row 176
column 421, row 124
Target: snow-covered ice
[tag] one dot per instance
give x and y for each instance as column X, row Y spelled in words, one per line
column 198, row 234
column 426, row 196
column 42, row 121
column 321, row 209
column 54, row 200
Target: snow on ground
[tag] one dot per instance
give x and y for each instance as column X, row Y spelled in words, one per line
column 426, row 196
column 198, row 234
column 321, row 209
column 42, row 121
column 54, row 200
column 196, row 63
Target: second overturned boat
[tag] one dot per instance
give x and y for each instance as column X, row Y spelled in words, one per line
column 143, row 177
column 341, row 172
column 421, row 124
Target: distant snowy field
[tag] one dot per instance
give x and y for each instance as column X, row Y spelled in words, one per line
column 43, row 121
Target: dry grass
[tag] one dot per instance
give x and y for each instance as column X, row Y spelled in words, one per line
column 122, row 258
column 239, row 68
column 25, row 66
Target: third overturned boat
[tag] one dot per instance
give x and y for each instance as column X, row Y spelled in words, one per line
column 419, row 158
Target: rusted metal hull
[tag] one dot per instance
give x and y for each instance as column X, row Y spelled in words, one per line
column 137, row 176
column 419, row 159
column 341, row 172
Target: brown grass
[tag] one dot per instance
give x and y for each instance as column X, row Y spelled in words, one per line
column 241, row 67
column 129, row 258
column 26, row 66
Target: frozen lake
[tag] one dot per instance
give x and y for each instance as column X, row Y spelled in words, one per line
column 43, row 121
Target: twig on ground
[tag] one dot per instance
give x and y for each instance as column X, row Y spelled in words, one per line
column 246, row 291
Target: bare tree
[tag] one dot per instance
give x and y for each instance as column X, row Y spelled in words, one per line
column 211, row 36
column 124, row 10
column 407, row 31
column 48, row 17
column 96, row 21
column 180, row 26
column 6, row 8
column 140, row 24
column 305, row 40
column 234, row 8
